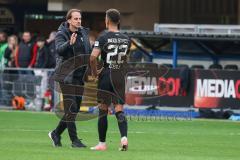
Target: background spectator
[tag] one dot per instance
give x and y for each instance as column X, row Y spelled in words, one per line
column 51, row 50
column 3, row 46
column 26, row 55
column 11, row 51
column 10, row 75
column 42, row 54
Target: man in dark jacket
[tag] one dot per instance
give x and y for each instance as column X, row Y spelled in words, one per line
column 25, row 57
column 71, row 43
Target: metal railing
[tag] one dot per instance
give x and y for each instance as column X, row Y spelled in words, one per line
column 29, row 83
column 197, row 29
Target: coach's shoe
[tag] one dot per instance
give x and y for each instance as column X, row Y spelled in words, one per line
column 56, row 139
column 100, row 147
column 78, row 144
column 123, row 144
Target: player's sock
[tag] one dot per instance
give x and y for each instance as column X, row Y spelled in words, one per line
column 122, row 123
column 102, row 143
column 102, row 125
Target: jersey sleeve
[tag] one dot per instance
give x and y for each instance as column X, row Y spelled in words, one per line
column 99, row 43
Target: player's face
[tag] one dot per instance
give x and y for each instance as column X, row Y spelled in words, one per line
column 75, row 20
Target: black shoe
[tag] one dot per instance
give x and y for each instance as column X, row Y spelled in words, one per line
column 56, row 139
column 78, row 144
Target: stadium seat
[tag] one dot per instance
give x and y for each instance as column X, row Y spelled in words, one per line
column 151, row 65
column 147, row 65
column 167, row 65
column 231, row 67
column 215, row 66
column 182, row 66
column 197, row 67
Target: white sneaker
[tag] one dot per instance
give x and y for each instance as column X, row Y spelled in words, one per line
column 123, row 144
column 99, row 147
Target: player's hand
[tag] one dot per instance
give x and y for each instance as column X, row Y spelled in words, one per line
column 99, row 71
column 95, row 76
column 73, row 38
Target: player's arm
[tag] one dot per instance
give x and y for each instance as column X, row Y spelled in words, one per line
column 129, row 50
column 93, row 60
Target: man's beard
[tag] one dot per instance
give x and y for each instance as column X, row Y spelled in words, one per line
column 78, row 26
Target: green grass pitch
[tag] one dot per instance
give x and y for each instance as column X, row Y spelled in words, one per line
column 23, row 136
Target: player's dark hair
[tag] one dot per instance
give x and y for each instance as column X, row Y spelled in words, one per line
column 41, row 39
column 69, row 13
column 113, row 15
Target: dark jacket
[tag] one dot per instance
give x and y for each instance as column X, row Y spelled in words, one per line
column 8, row 55
column 42, row 57
column 25, row 56
column 69, row 59
column 52, row 54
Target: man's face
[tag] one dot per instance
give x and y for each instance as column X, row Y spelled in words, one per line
column 26, row 37
column 75, row 20
column 2, row 38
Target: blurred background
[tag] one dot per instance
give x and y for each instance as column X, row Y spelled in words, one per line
column 35, row 16
column 174, row 37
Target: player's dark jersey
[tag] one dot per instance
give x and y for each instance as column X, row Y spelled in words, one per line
column 114, row 47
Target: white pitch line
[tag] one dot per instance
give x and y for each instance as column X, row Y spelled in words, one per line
column 80, row 131
column 112, row 132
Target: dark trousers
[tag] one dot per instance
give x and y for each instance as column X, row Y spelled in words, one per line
column 72, row 97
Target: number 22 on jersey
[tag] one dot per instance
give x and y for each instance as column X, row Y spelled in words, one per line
column 119, row 51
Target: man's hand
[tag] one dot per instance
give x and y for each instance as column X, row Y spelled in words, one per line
column 73, row 38
column 93, row 63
